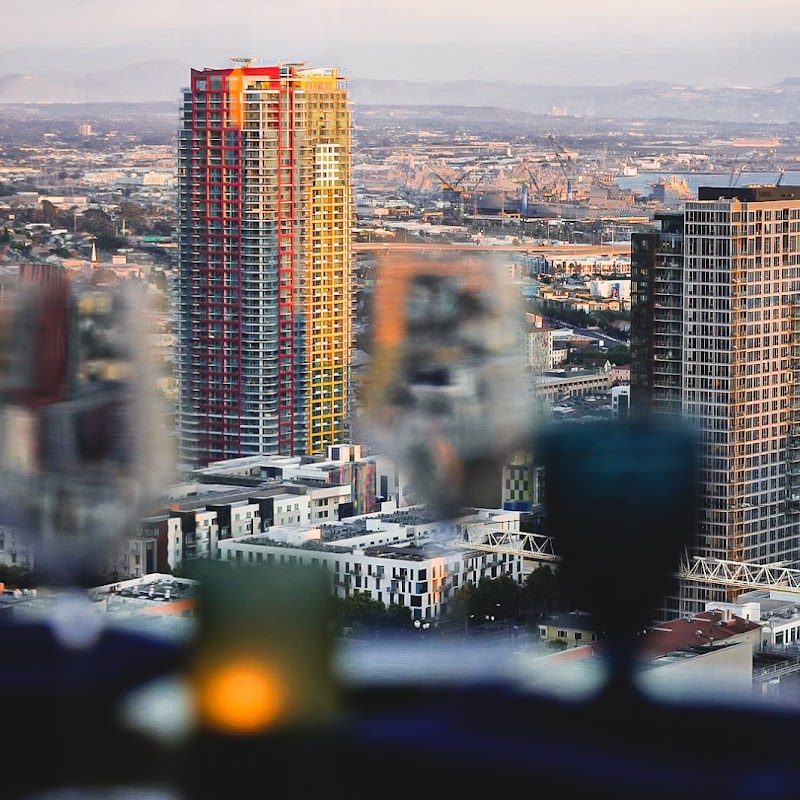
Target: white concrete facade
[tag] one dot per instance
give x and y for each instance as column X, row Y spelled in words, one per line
column 401, row 557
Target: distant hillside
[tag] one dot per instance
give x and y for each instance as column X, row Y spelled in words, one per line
column 149, row 81
column 642, row 100
column 143, row 82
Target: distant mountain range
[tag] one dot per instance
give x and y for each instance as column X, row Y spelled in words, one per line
column 143, row 82
column 149, row 81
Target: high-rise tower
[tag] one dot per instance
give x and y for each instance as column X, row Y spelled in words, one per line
column 657, row 316
column 265, row 332
column 730, row 365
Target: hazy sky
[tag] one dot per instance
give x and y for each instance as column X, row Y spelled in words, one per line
column 753, row 42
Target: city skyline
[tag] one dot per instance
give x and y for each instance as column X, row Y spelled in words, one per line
column 615, row 42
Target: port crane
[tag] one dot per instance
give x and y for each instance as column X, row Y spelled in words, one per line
column 468, row 192
column 447, row 186
column 713, row 571
column 735, row 175
column 409, row 190
column 530, row 181
column 564, row 161
column 768, row 159
column 455, row 192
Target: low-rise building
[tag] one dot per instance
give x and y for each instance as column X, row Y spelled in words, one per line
column 15, row 549
column 538, row 340
column 344, row 465
column 407, row 557
column 557, row 385
column 620, row 402
column 707, row 629
column 620, row 375
column 574, row 628
column 777, row 613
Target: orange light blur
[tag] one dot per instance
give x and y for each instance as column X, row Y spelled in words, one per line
column 447, row 460
column 235, row 87
column 392, row 284
column 241, row 696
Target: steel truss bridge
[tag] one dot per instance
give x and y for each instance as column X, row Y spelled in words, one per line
column 717, row 572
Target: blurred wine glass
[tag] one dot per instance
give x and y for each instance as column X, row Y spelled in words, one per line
column 448, row 398
column 83, row 445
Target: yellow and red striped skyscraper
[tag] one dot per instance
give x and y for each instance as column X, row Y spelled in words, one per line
column 265, row 331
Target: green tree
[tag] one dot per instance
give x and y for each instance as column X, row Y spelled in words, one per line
column 493, row 597
column 398, row 618
column 163, row 227
column 192, row 568
column 134, row 216
column 589, row 357
column 464, row 605
column 541, row 593
column 498, row 597
column 361, row 613
column 160, row 280
column 619, row 354
column 50, row 213
column 15, row 577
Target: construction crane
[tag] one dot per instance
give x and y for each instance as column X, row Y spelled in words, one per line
column 712, row 571
column 527, row 184
column 467, row 172
column 735, row 175
column 468, row 192
column 767, row 158
column 451, row 189
column 564, row 161
column 444, row 183
column 530, row 181
column 733, row 169
column 408, row 190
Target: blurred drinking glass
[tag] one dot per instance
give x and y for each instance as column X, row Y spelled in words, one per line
column 447, row 398
column 83, row 444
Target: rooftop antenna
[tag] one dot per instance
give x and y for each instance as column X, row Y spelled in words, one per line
column 780, row 177
column 244, row 61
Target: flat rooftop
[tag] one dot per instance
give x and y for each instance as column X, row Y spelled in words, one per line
column 159, row 603
column 751, row 193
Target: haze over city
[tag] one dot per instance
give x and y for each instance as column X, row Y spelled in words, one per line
column 544, row 43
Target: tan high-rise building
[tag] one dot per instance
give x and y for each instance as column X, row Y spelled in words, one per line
column 265, row 334
column 716, row 338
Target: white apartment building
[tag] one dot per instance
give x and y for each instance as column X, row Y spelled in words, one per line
column 15, row 549
column 777, row 612
column 538, row 344
column 404, row 557
column 620, row 402
column 620, row 289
